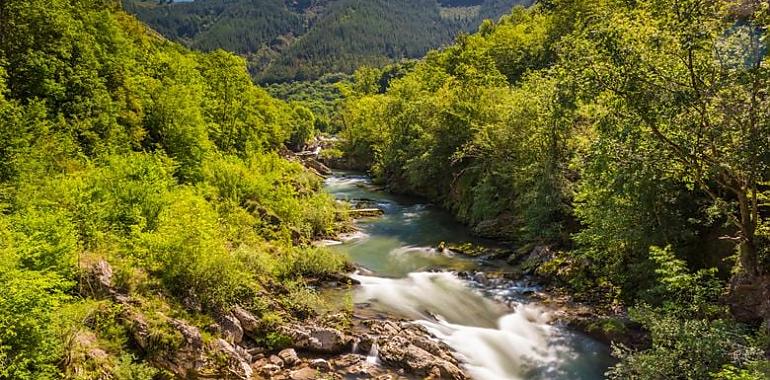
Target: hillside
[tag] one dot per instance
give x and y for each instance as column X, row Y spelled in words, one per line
column 622, row 145
column 143, row 197
column 287, row 40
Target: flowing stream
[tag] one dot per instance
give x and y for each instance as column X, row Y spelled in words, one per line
column 497, row 332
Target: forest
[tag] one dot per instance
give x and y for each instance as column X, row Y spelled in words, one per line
column 157, row 167
column 150, row 201
column 630, row 137
column 302, row 40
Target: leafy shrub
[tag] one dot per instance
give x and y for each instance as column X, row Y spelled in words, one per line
column 310, row 262
column 186, row 251
column 690, row 339
column 30, row 310
column 684, row 348
column 128, row 368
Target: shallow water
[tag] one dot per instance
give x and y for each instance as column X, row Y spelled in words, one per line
column 497, row 332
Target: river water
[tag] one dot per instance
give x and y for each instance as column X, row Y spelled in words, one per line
column 497, row 332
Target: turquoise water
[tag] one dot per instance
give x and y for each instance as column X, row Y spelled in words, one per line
column 404, row 240
column 497, row 333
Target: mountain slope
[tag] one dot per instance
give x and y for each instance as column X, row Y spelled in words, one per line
column 303, row 39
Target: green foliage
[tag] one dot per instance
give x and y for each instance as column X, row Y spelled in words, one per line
column 453, row 129
column 684, row 349
column 30, row 307
column 755, row 371
column 322, row 96
column 290, row 40
column 128, row 369
column 186, row 251
column 690, row 337
column 118, row 145
column 683, row 293
column 311, row 262
column 601, row 129
column 304, row 128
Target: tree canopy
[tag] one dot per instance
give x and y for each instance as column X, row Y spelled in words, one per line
column 303, row 40
column 119, row 146
column 605, row 130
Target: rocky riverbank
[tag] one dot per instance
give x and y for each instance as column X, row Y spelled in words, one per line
column 372, row 346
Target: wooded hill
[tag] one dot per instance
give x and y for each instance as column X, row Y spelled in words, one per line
column 626, row 140
column 298, row 40
column 141, row 195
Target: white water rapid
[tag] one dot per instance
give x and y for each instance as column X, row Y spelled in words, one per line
column 498, row 333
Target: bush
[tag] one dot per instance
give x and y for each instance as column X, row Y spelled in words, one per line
column 189, row 255
column 30, row 310
column 690, row 349
column 310, row 262
column 690, row 337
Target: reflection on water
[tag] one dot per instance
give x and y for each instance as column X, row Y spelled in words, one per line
column 496, row 342
column 404, row 239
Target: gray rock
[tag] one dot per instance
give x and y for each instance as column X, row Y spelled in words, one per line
column 304, row 374
column 249, row 322
column 289, row 357
column 270, row 369
column 98, row 281
column 412, row 348
column 353, row 364
column 320, row 364
column 193, row 358
column 231, row 329
column 238, row 364
column 317, row 339
column 244, row 353
column 274, row 359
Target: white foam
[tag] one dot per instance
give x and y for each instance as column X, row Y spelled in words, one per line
column 326, row 243
column 357, row 235
column 495, row 343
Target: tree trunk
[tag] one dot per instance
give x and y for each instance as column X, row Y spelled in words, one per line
column 748, row 258
column 747, row 249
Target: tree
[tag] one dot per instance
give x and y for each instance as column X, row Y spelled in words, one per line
column 690, row 75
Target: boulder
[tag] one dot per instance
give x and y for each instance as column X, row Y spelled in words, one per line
column 269, row 370
column 249, row 323
column 192, row 358
column 237, row 364
column 402, row 353
column 538, row 256
column 275, row 359
column 501, row 227
column 317, row 339
column 412, row 348
column 97, row 281
column 244, row 353
column 231, row 329
column 321, row 365
column 353, row 365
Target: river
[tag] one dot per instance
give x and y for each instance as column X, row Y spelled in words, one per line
column 497, row 332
